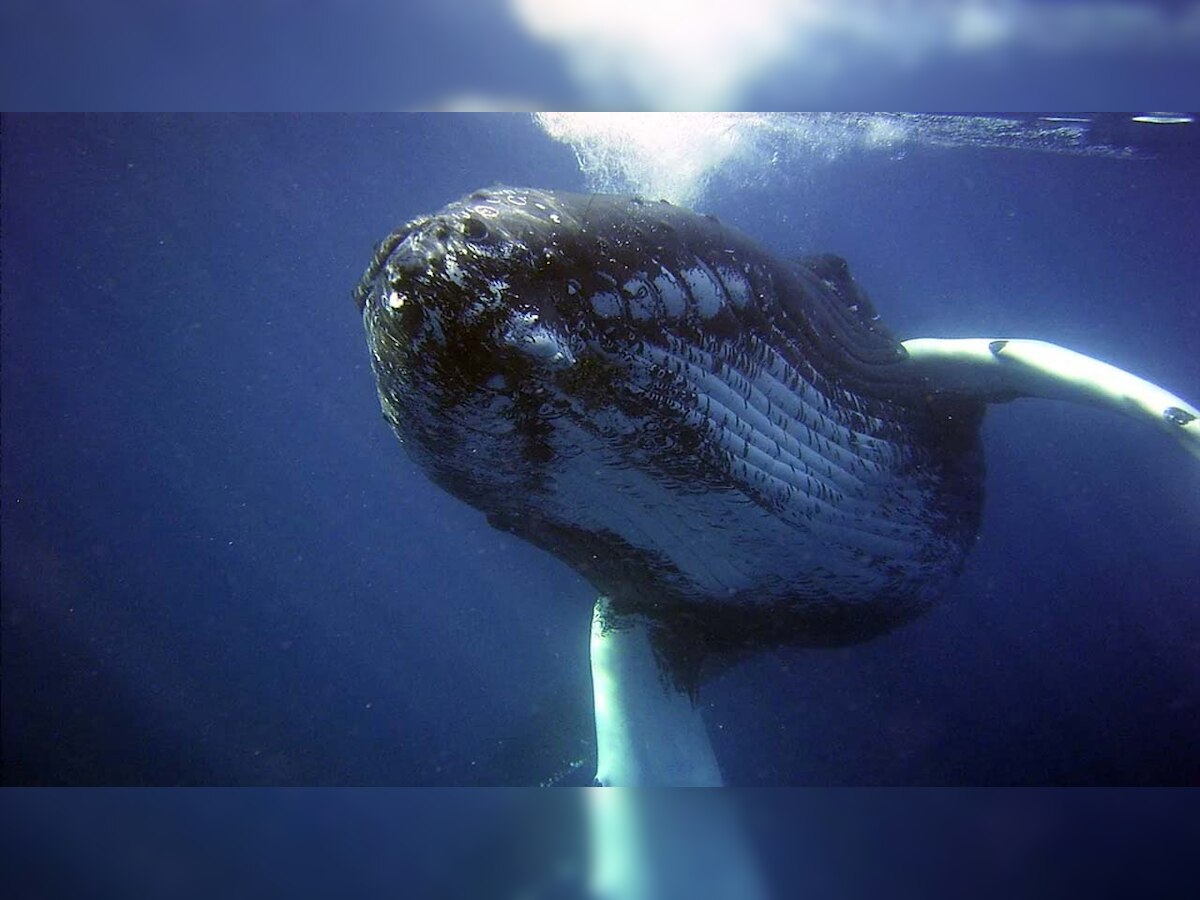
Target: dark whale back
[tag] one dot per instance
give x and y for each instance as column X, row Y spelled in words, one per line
column 725, row 441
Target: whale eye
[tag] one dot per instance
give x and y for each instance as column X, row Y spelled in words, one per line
column 473, row 229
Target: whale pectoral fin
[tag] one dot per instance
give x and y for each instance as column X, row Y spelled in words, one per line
column 649, row 845
column 1001, row 369
column 649, row 733
column 648, row 729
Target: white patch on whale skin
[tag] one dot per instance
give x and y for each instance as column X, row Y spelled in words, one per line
column 607, row 304
column 705, row 291
column 642, row 302
column 453, row 273
column 527, row 333
column 497, row 287
column 673, row 299
column 735, row 285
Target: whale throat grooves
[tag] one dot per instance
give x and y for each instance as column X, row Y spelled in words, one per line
column 724, row 442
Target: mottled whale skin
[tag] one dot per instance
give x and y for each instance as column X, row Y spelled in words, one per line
column 720, row 440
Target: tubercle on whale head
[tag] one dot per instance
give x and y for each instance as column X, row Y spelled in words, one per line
column 488, row 250
column 468, row 345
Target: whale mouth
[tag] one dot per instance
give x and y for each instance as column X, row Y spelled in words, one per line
column 687, row 421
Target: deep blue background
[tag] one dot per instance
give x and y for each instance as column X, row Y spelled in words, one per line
column 219, row 568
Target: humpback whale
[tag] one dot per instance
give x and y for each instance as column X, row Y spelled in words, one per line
column 730, row 446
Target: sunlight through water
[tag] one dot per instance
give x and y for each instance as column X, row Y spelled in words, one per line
column 675, row 156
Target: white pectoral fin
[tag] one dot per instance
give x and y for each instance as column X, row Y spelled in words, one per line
column 648, row 732
column 653, row 844
column 649, row 844
column 1003, row 368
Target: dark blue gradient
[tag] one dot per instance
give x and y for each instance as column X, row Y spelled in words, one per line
column 219, row 568
column 449, row 844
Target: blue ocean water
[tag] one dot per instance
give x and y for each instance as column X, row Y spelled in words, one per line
column 218, row 567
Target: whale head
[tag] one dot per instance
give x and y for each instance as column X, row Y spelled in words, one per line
column 462, row 311
column 699, row 428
